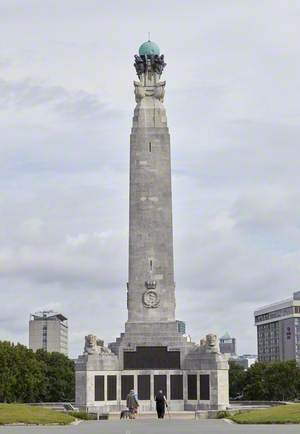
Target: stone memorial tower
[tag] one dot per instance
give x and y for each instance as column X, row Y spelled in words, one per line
column 154, row 352
column 151, row 288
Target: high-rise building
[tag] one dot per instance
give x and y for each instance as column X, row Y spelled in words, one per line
column 48, row 330
column 154, row 352
column 278, row 330
column 228, row 345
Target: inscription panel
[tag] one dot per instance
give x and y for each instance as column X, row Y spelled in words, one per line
column 111, row 387
column 204, row 387
column 192, row 386
column 144, row 387
column 99, row 387
column 151, row 358
column 160, row 383
column 127, row 384
column 176, row 387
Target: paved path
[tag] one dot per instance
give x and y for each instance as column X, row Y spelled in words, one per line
column 156, row 427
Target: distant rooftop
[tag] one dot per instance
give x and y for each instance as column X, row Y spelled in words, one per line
column 296, row 295
column 286, row 301
column 48, row 314
column 226, row 336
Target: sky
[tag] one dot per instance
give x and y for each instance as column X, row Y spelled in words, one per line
column 66, row 106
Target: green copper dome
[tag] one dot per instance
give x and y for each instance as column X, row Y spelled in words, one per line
column 149, row 48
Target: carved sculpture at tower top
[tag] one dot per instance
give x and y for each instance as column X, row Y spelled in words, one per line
column 149, row 68
column 152, row 63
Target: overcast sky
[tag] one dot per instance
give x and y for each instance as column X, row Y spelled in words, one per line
column 66, row 105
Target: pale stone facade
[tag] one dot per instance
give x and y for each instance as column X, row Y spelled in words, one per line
column 85, row 391
column 153, row 352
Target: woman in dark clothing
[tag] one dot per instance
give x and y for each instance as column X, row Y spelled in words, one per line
column 161, row 404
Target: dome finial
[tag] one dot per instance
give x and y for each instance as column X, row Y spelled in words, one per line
column 148, row 36
column 149, row 48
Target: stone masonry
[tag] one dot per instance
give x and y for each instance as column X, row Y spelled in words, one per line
column 153, row 352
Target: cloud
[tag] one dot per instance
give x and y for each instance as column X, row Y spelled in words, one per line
column 29, row 94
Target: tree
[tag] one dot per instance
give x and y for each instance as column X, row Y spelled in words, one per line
column 21, row 376
column 276, row 381
column 59, row 376
column 26, row 376
column 255, row 387
column 6, row 376
column 282, row 380
column 236, row 379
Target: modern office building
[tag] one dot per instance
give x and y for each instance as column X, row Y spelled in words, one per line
column 228, row 345
column 48, row 330
column 278, row 330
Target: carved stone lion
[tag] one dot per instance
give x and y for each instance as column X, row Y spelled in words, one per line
column 91, row 346
column 202, row 343
column 212, row 344
column 94, row 345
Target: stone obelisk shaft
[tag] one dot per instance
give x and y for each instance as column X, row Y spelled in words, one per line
column 151, row 289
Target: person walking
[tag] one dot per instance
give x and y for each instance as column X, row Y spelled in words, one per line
column 161, row 404
column 132, row 404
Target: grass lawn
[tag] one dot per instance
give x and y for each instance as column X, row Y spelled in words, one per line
column 279, row 414
column 21, row 413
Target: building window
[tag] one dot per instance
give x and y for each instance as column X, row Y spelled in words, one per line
column 275, row 314
column 45, row 337
column 150, row 147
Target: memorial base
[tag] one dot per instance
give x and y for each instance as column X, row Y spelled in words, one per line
column 148, row 358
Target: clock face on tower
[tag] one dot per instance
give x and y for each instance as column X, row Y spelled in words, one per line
column 151, row 299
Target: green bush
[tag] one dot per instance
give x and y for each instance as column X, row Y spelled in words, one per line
column 223, row 414
column 79, row 414
column 83, row 415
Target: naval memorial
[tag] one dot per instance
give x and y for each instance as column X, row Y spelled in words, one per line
column 153, row 352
